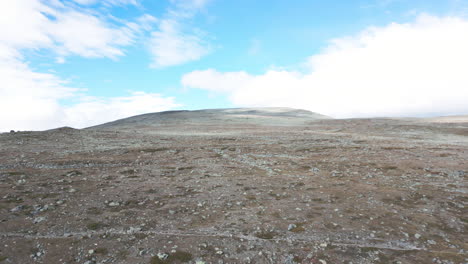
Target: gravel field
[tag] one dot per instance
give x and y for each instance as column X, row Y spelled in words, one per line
column 237, row 186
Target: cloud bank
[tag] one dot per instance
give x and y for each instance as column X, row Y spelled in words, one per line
column 411, row 69
column 33, row 100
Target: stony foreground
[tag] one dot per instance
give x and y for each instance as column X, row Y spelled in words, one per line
column 331, row 191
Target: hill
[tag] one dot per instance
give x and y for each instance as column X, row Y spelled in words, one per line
column 257, row 116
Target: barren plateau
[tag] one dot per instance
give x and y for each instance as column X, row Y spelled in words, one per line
column 269, row 185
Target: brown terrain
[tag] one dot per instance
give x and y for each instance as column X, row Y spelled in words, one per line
column 270, row 185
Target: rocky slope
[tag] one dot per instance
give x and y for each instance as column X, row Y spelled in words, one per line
column 221, row 186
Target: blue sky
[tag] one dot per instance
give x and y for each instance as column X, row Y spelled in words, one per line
column 83, row 62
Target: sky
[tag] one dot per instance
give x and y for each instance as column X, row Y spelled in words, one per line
column 80, row 63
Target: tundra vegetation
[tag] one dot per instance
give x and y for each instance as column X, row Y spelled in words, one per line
column 233, row 188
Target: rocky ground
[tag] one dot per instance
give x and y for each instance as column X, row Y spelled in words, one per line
column 324, row 191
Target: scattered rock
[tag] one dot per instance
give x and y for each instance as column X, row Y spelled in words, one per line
column 39, row 219
column 21, row 181
column 132, row 230
column 162, row 256
column 114, row 204
column 17, row 208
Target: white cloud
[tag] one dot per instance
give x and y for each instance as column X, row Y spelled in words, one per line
column 174, row 42
column 121, row 2
column 29, row 99
column 108, row 2
column 45, row 113
column 23, row 24
column 86, row 2
column 214, row 81
column 411, row 69
column 64, row 29
column 190, row 4
column 88, row 36
column 33, row 100
column 170, row 46
column 186, row 9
